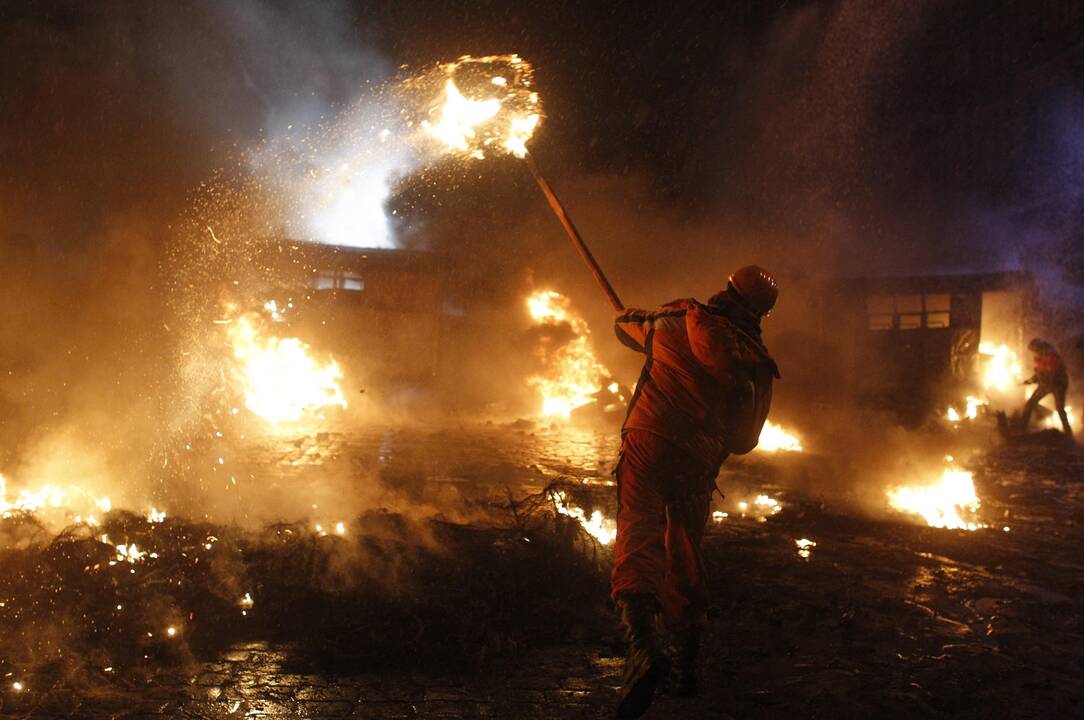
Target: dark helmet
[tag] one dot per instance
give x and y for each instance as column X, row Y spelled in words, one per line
column 756, row 287
column 1037, row 344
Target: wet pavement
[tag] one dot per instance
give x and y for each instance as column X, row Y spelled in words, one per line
column 880, row 617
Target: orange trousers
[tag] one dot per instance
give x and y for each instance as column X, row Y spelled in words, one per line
column 663, row 502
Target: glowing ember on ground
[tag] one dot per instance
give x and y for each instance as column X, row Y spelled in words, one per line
column 572, row 375
column 282, row 381
column 805, row 547
column 483, row 104
column 773, row 438
column 597, row 526
column 718, row 516
column 949, row 502
column 130, row 553
column 760, row 508
column 970, row 411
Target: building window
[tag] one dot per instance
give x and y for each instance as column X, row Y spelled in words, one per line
column 908, row 312
column 937, row 310
column 338, row 280
column 352, row 281
column 882, row 310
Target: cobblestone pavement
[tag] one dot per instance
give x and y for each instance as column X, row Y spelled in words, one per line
column 879, row 618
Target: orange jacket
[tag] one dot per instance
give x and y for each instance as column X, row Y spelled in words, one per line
column 1049, row 368
column 707, row 380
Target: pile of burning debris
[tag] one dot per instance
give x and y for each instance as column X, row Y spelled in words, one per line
column 78, row 609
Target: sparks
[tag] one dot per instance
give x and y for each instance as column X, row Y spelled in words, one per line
column 483, row 104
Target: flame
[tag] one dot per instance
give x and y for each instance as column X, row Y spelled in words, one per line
column 483, row 104
column 949, row 502
column 773, row 438
column 53, row 502
column 970, row 412
column 760, row 508
column 1001, row 367
column 459, row 117
column 805, row 547
column 600, row 528
column 1053, row 422
column 572, row 375
column 999, row 372
column 281, row 379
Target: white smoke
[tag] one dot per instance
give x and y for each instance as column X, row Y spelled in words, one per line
column 331, row 152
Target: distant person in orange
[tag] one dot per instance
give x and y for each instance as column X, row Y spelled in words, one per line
column 1051, row 378
column 704, row 393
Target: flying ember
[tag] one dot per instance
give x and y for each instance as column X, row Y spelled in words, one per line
column 571, row 375
column 477, row 105
column 281, row 379
column 949, row 502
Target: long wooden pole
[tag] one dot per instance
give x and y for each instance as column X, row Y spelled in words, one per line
column 574, row 234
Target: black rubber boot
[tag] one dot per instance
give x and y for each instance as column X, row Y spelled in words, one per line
column 687, row 649
column 646, row 664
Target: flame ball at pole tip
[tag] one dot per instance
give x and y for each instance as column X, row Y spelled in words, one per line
column 479, row 105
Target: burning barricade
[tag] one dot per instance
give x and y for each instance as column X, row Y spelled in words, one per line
column 280, row 378
column 571, row 376
column 947, row 501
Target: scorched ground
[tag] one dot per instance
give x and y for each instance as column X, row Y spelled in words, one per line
column 500, row 612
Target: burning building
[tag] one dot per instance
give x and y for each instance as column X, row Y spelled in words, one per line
column 911, row 341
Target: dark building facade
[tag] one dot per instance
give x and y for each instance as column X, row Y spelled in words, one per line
column 379, row 311
column 911, row 342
